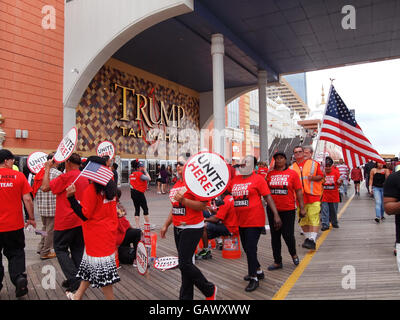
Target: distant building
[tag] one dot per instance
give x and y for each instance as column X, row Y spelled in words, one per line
column 299, row 84
column 290, row 97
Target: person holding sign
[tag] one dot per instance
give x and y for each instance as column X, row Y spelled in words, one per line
column 68, row 236
column 97, row 209
column 138, row 181
column 285, row 186
column 46, row 204
column 187, row 218
column 247, row 188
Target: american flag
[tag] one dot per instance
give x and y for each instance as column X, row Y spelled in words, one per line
column 97, row 173
column 340, row 127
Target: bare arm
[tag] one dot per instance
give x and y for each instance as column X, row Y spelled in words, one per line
column 167, row 223
column 391, row 205
column 271, row 204
column 371, row 179
column 27, row 199
column 45, row 187
column 299, row 196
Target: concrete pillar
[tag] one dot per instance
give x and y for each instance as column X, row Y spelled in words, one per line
column 69, row 119
column 217, row 53
column 262, row 112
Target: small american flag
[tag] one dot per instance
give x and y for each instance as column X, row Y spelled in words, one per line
column 340, row 127
column 97, row 173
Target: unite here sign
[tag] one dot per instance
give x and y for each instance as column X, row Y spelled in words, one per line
column 207, row 175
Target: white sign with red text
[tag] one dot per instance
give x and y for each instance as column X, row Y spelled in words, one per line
column 106, row 148
column 36, row 161
column 66, row 146
column 206, row 174
column 141, row 258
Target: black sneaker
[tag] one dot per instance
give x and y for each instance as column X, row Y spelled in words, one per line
column 253, row 285
column 260, row 276
column 306, row 243
column 312, row 245
column 383, row 218
column 377, row 220
column 204, row 255
column 274, row 266
column 335, row 226
column 309, row 244
column 21, row 286
column 324, row 228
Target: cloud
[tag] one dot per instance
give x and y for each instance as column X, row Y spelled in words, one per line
column 372, row 91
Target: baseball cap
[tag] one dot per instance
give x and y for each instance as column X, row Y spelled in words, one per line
column 279, row 153
column 5, row 154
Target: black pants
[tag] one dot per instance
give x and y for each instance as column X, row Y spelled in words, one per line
column 12, row 244
column 286, row 231
column 126, row 254
column 249, row 237
column 139, row 201
column 69, row 247
column 186, row 241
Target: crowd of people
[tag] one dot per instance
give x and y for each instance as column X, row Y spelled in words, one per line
column 85, row 223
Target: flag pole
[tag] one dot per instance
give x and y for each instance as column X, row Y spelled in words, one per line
column 320, row 127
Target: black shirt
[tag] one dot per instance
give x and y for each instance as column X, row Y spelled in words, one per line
column 391, row 189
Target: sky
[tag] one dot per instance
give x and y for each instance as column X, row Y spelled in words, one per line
column 373, row 90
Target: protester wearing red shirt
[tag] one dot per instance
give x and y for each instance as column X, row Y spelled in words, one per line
column 14, row 188
column 187, row 217
column 330, row 196
column 285, row 186
column 138, row 182
column 68, row 237
column 247, row 188
column 222, row 222
column 98, row 211
column 126, row 235
column 262, row 169
column 357, row 177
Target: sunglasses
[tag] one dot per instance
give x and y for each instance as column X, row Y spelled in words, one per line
column 180, row 163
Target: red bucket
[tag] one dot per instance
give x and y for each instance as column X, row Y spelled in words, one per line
column 231, row 247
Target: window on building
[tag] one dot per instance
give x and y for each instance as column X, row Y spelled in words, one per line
column 233, row 114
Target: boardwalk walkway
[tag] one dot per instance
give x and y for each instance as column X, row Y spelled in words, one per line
column 359, row 242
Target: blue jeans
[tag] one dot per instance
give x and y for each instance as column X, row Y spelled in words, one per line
column 329, row 213
column 378, row 195
column 343, row 187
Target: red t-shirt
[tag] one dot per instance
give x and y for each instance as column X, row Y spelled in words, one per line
column 263, row 171
column 100, row 230
column 123, row 225
column 137, row 183
column 181, row 213
column 65, row 218
column 13, row 185
column 308, row 198
column 227, row 213
column 331, row 188
column 247, row 195
column 283, row 186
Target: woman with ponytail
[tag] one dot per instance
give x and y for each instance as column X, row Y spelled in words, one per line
column 98, row 211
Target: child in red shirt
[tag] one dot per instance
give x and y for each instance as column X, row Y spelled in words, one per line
column 330, row 195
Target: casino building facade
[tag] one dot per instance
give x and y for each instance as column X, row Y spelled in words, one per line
column 67, row 64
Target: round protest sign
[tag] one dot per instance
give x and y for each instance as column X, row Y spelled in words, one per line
column 206, row 174
column 141, row 258
column 166, row 263
column 36, row 161
column 66, row 146
column 106, row 148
